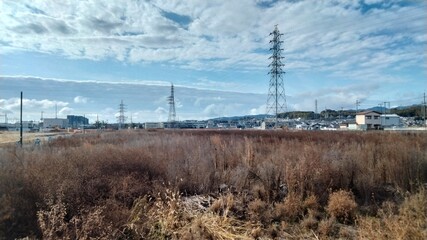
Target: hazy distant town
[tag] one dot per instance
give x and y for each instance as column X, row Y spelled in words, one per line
column 404, row 118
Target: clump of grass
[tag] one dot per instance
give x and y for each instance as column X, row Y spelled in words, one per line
column 290, row 210
column 88, row 224
column 328, row 227
column 410, row 222
column 167, row 217
column 258, row 211
column 342, row 206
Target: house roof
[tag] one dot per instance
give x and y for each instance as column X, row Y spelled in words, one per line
column 367, row 112
column 349, row 122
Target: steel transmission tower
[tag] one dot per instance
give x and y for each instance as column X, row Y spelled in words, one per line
column 276, row 101
column 121, row 118
column 171, row 101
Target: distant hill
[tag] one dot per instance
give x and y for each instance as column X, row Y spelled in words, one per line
column 236, row 118
column 377, row 109
column 403, row 111
column 415, row 110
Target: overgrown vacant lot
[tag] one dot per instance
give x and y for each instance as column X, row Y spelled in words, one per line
column 217, row 185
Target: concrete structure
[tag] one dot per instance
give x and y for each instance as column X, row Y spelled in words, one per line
column 369, row 120
column 61, row 123
column 390, row 120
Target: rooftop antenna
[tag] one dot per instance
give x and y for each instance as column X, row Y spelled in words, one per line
column 276, row 101
column 171, row 101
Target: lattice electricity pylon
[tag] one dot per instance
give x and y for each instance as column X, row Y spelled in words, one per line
column 276, row 101
column 171, row 101
column 121, row 118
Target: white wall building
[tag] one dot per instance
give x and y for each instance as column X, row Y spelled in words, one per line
column 368, row 120
column 389, row 120
column 55, row 123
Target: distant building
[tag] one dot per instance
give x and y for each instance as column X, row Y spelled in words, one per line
column 154, row 125
column 55, row 123
column 348, row 125
column 368, row 120
column 27, row 126
column 77, row 121
column 390, row 120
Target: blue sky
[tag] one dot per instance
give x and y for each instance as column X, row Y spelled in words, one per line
column 87, row 56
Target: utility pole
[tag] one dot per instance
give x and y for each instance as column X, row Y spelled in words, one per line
column 5, row 117
column 20, row 120
column 315, row 108
column 56, row 110
column 382, row 112
column 276, row 101
column 41, row 120
column 425, row 109
column 385, row 107
column 357, row 106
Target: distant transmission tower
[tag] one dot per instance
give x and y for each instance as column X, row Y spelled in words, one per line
column 121, row 118
column 276, row 101
column 171, row 101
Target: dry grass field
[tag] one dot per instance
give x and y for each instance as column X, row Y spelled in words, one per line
column 217, row 185
column 13, row 136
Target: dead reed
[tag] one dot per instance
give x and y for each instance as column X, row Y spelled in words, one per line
column 264, row 184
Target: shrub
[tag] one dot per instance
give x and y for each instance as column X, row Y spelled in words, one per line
column 104, row 177
column 342, row 206
column 290, row 209
column 258, row 211
column 408, row 223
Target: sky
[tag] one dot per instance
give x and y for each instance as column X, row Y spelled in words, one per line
column 86, row 56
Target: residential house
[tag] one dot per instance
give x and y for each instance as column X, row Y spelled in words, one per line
column 369, row 120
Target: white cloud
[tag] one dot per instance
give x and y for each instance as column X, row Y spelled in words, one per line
column 65, row 111
column 223, row 110
column 161, row 114
column 80, row 99
column 259, row 110
column 318, row 35
column 13, row 104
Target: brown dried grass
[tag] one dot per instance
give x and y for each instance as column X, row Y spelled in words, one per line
column 284, row 177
